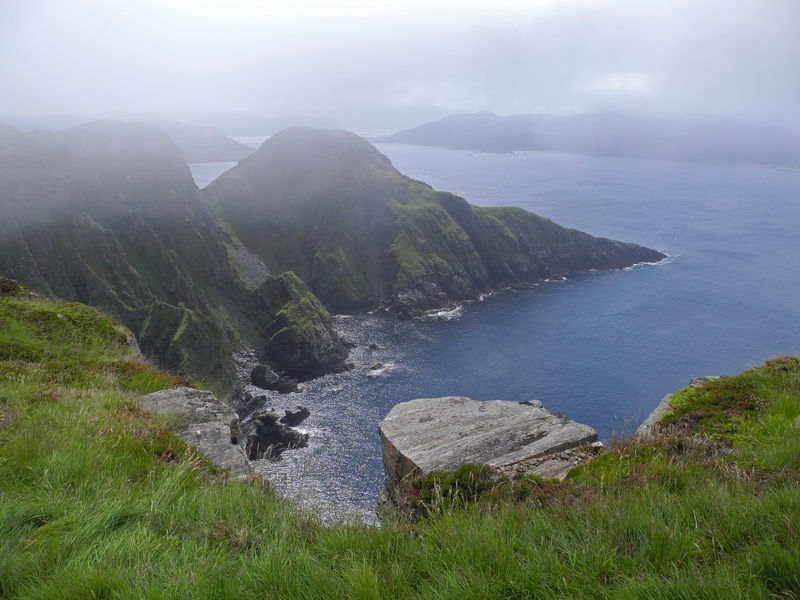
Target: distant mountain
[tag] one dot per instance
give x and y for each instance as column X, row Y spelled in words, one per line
column 204, row 144
column 608, row 134
column 328, row 206
column 108, row 214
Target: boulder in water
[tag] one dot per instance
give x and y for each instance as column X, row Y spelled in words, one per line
column 269, row 438
column 295, row 415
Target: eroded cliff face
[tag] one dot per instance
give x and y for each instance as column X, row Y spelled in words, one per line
column 298, row 330
column 328, row 206
column 108, row 214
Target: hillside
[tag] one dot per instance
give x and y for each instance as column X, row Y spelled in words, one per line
column 98, row 499
column 108, row 214
column 328, row 206
column 609, row 134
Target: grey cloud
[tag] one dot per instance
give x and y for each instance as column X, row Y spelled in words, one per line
column 186, row 59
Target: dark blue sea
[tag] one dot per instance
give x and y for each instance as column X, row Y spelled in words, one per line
column 600, row 347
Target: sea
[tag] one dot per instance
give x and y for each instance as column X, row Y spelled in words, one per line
column 602, row 348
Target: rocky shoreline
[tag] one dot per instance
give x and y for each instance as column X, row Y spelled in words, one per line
column 514, row 439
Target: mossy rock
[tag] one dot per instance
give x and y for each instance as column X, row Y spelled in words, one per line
column 9, row 287
column 191, row 343
column 298, row 330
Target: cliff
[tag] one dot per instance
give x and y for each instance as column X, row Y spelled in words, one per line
column 297, row 329
column 108, row 214
column 328, row 206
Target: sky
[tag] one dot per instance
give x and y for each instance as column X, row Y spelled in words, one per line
column 382, row 63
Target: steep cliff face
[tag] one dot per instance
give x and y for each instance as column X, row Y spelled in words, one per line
column 108, row 214
column 328, row 206
column 315, row 202
column 298, row 330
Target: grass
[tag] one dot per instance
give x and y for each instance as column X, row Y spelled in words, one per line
column 98, row 500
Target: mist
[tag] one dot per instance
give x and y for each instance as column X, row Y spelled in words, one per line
column 393, row 65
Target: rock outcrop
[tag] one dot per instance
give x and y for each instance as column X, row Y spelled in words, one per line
column 442, row 434
column 269, row 435
column 264, row 377
column 298, row 330
column 204, row 422
column 295, row 415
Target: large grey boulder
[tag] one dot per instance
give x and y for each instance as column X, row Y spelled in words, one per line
column 204, row 422
column 442, row 434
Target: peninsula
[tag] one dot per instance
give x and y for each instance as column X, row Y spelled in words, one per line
column 699, row 139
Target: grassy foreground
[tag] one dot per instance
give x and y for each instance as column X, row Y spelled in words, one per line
column 98, row 500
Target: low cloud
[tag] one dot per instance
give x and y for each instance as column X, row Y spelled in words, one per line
column 344, row 59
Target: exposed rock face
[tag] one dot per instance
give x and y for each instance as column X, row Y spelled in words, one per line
column 299, row 331
column 268, row 437
column 361, row 235
column 204, row 422
column 442, row 434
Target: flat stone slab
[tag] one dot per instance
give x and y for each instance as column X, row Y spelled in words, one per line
column 204, row 422
column 185, row 403
column 442, row 434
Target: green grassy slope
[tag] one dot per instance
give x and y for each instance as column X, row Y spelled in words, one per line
column 99, row 500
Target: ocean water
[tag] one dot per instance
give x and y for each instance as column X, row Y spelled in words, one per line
column 600, row 347
column 205, row 173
